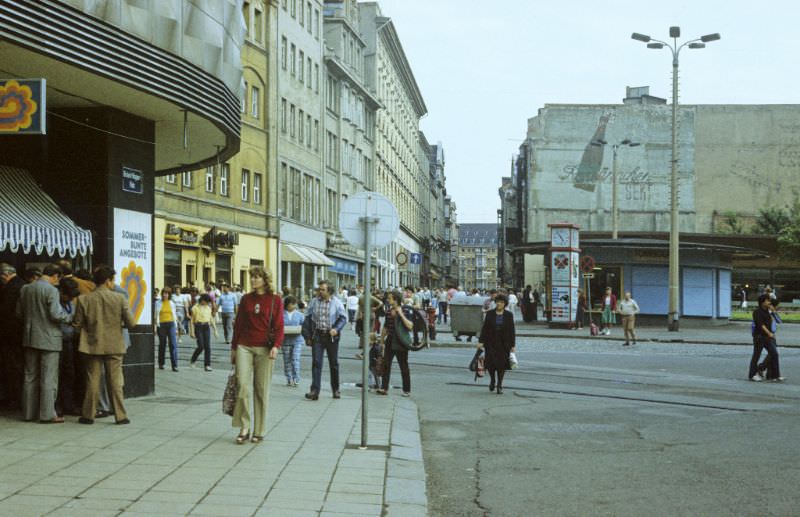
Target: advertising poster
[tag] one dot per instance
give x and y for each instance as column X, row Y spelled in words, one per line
column 561, row 303
column 560, row 268
column 573, row 306
column 133, row 241
column 575, row 266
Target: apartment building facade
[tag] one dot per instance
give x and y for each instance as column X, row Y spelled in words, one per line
column 478, row 256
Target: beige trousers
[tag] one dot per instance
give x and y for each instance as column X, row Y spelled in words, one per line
column 628, row 324
column 114, row 383
column 254, row 375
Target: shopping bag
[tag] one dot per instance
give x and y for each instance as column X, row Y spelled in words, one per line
column 230, row 393
column 512, row 359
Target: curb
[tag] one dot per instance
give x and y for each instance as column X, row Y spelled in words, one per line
column 405, row 487
column 679, row 341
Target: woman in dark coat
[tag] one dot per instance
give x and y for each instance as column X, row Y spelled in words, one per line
column 498, row 340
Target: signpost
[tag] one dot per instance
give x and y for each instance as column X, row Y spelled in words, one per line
column 587, row 267
column 368, row 220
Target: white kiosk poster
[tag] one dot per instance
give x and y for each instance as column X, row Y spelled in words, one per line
column 133, row 241
column 561, row 303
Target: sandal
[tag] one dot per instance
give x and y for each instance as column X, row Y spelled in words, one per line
column 257, row 439
column 242, row 438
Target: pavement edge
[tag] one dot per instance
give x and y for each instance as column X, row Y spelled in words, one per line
column 405, row 489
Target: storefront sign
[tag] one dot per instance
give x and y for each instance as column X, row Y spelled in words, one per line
column 133, row 241
column 343, row 267
column 23, row 107
column 132, row 180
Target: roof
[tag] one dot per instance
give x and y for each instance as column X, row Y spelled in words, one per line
column 477, row 234
column 31, row 220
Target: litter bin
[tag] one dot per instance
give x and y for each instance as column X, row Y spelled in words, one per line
column 466, row 315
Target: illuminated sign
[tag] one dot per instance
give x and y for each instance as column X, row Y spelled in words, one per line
column 22, row 107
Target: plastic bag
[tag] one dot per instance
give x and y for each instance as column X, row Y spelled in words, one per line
column 512, row 359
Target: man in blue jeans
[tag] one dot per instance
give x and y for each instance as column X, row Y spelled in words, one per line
column 228, row 305
column 325, row 319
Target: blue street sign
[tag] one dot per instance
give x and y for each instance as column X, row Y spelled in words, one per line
column 132, row 180
column 416, row 258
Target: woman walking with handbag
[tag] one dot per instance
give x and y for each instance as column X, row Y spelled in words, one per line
column 498, row 338
column 201, row 325
column 257, row 336
column 396, row 336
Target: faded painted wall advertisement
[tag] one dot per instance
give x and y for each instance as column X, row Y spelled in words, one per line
column 133, row 240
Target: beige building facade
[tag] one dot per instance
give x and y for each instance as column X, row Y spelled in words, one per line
column 477, row 256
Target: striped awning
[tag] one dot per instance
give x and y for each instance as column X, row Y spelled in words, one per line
column 31, row 220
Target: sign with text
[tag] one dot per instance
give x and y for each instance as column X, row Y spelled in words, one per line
column 133, row 240
column 561, row 303
column 132, row 180
column 23, row 107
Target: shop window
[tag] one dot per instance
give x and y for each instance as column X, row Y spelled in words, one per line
column 172, row 266
column 223, row 269
column 190, row 275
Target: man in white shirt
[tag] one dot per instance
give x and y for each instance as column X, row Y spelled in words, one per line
column 352, row 309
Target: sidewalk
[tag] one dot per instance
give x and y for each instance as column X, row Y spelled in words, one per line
column 178, row 457
column 733, row 333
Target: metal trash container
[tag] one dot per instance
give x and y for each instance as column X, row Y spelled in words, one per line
column 466, row 315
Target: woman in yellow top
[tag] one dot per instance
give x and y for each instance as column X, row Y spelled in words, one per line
column 202, row 322
column 166, row 328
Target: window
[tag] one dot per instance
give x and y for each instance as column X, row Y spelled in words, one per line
column 245, row 184
column 293, row 55
column 283, row 183
column 302, row 67
column 317, row 200
column 224, row 174
column 257, row 188
column 186, row 179
column 246, row 14
column 285, row 4
column 254, row 98
column 258, row 20
column 209, row 179
column 316, row 23
column 308, row 72
column 300, row 126
column 283, row 115
column 316, row 78
column 284, row 51
column 292, row 122
column 308, row 131
column 316, row 135
column 308, row 17
column 294, row 8
column 170, row 178
column 302, row 14
column 296, row 194
column 244, row 98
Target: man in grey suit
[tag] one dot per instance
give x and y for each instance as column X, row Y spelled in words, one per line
column 41, row 312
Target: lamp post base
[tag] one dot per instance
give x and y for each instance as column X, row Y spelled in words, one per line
column 673, row 325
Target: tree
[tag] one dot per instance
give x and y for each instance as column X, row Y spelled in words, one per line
column 772, row 220
column 789, row 234
column 732, row 223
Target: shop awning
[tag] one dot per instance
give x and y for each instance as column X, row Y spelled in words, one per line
column 31, row 220
column 303, row 255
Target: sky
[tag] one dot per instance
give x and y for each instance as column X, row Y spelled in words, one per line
column 485, row 67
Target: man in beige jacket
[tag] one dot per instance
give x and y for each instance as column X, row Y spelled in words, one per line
column 100, row 316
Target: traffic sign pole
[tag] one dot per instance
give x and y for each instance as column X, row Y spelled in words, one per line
column 366, row 316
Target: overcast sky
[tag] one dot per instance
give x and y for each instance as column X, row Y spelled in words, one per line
column 485, row 67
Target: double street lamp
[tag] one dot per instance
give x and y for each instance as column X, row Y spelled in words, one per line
column 614, row 209
column 673, row 315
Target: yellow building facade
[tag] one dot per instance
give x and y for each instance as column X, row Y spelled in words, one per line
column 212, row 225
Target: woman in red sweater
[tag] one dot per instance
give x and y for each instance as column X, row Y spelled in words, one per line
column 257, row 336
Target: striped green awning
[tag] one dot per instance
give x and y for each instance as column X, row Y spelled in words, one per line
column 32, row 221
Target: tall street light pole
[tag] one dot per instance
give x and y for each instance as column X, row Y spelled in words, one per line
column 673, row 315
column 614, row 208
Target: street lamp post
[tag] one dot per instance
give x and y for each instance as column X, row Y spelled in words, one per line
column 614, row 208
column 673, row 315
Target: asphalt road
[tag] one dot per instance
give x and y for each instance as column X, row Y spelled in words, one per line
column 587, row 428
column 593, row 428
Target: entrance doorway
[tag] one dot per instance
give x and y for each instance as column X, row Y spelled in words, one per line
column 605, row 276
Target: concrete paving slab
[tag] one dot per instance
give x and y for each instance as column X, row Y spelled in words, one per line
column 406, row 491
column 352, row 508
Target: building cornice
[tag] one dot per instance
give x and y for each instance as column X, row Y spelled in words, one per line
column 391, row 40
column 341, row 71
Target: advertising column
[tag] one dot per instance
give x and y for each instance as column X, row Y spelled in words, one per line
column 564, row 274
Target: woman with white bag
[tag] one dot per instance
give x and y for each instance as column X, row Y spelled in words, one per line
column 498, row 338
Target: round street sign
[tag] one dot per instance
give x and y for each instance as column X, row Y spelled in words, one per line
column 374, row 206
column 587, row 264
